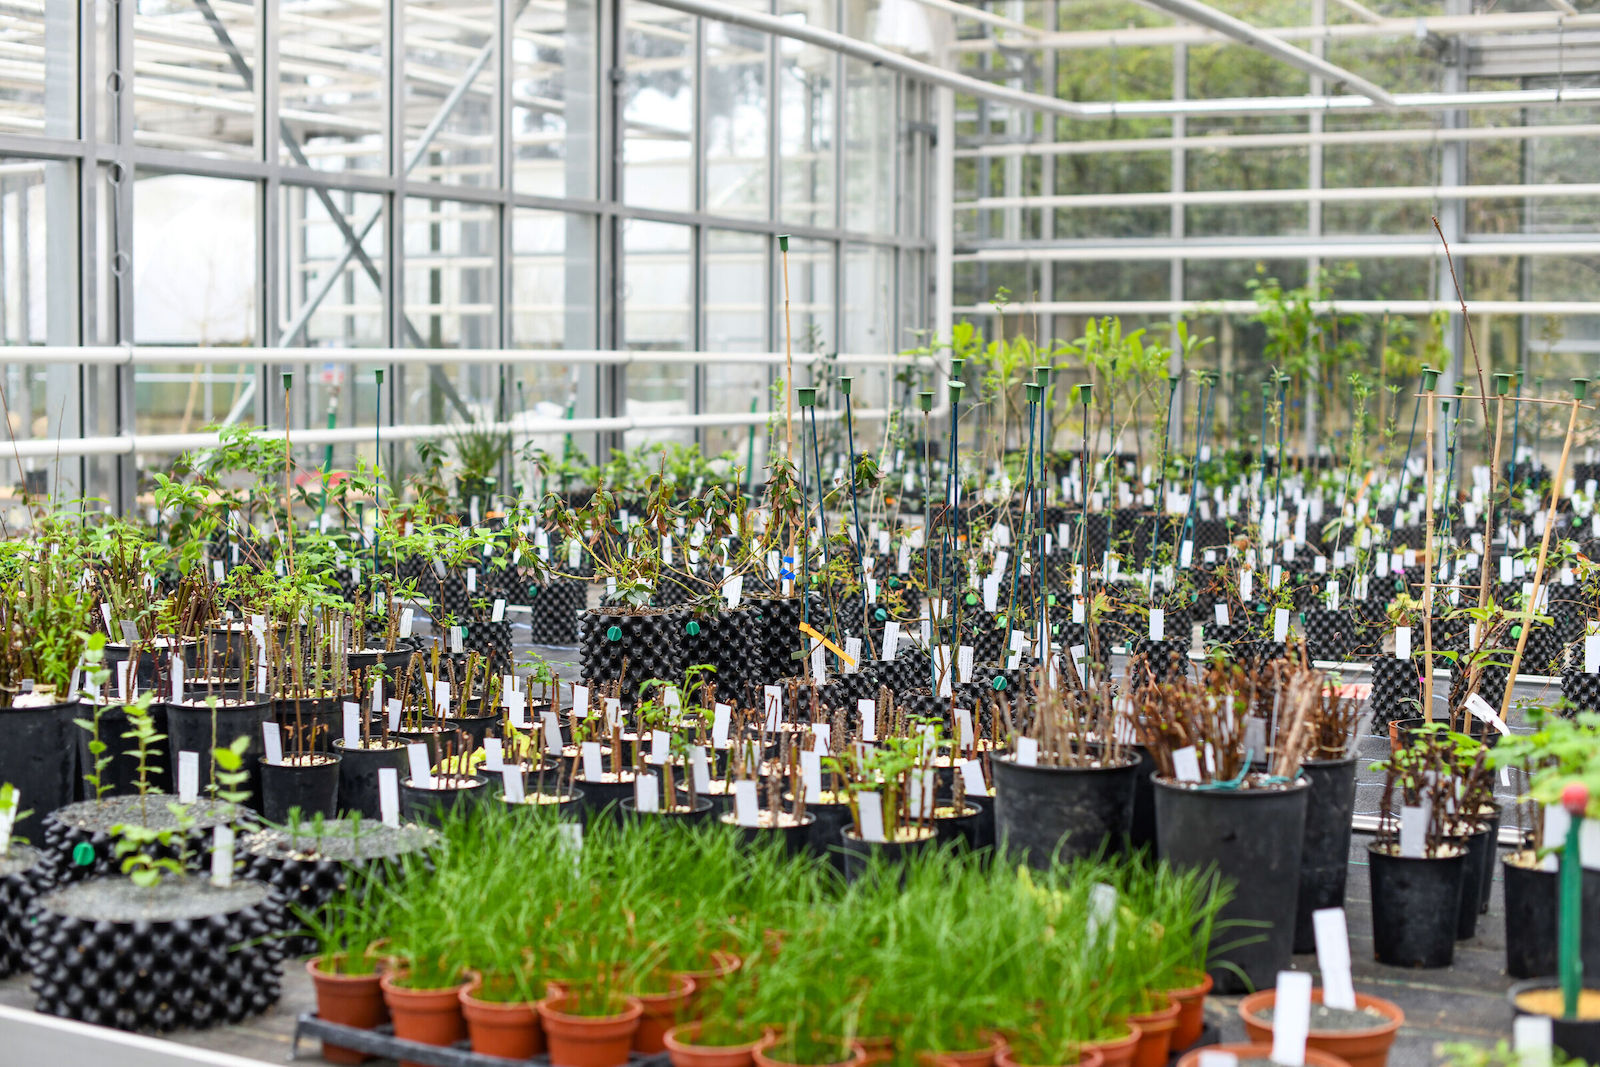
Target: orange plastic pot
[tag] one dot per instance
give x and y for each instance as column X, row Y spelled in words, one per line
column 1118, row 1052
column 858, row 1056
column 878, row 1049
column 1155, row 1035
column 662, row 1011
column 349, row 1000
column 1087, row 1057
column 427, row 1016
column 502, row 1028
column 1191, row 1013
column 588, row 1040
column 978, row 1057
column 1314, row 1057
column 682, row 1050
column 1358, row 1048
column 722, row 965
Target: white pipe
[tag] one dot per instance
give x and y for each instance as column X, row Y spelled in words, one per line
column 1205, row 15
column 1325, row 249
column 1156, row 308
column 145, row 355
column 1286, row 196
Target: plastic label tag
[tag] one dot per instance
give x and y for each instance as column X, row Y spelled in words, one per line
column 389, row 796
column 721, row 720
column 1291, row 1018
column 1186, row 764
column 870, row 806
column 417, row 758
column 272, row 742
column 222, row 856
column 868, row 710
column 1027, row 752
column 1333, row 958
column 746, row 811
column 188, row 777
column 593, row 771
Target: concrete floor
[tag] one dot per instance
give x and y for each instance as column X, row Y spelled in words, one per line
column 1465, row 1001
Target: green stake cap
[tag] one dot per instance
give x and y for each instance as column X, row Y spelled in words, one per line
column 1085, row 393
column 845, row 382
column 1461, row 388
column 957, row 364
column 783, row 242
column 880, row 615
column 1430, row 379
column 1580, row 388
column 614, row 633
column 1283, row 379
column 925, row 400
column 1502, row 384
column 288, row 380
column 1041, row 374
column 379, row 375
column 999, row 683
column 692, row 628
column 955, row 391
column 807, row 395
column 972, row 598
column 1035, row 392
column 83, row 854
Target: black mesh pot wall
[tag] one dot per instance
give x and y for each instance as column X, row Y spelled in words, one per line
column 1396, row 692
column 555, row 606
column 1157, row 661
column 79, row 845
column 1582, row 690
column 647, row 643
column 96, row 959
column 23, row 876
column 1329, row 634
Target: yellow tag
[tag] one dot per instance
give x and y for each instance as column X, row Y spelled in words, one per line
column 810, row 631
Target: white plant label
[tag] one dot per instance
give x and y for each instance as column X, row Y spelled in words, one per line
column 1102, row 908
column 122, row 681
column 647, row 793
column 499, row 612
column 408, row 619
column 494, row 754
column 772, row 706
column 1333, row 958
column 1186, row 764
column 868, row 710
column 441, row 697
column 417, row 758
column 821, row 738
column 176, row 671
column 1280, row 625
column 852, row 655
column 1027, row 752
column 1220, row 610
column 811, row 775
column 700, row 767
column 1413, row 831
column 188, row 777
column 721, row 720
column 1484, row 712
column 963, row 727
column 272, row 742
column 613, row 711
column 377, row 695
column 389, row 796
column 394, row 714
column 457, row 640
column 1247, row 582
column 580, row 702
column 1158, row 624
column 660, row 746
column 891, row 639
column 1591, row 654
column 733, row 589
column 746, row 811
column 222, row 856
column 593, row 771
column 972, row 778
column 8, row 819
column 1532, row 1037
column 1402, row 642
column 870, row 806
column 511, row 779
column 552, row 731
column 1291, row 1018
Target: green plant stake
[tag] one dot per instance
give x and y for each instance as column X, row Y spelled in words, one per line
column 1575, row 798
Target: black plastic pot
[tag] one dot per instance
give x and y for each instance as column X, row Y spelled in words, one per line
column 604, row 798
column 476, row 727
column 1252, row 836
column 568, row 809
column 320, row 718
column 702, row 812
column 795, row 838
column 310, row 783
column 1578, row 1038
column 1491, row 815
column 958, row 828
column 1416, row 905
column 1142, row 829
column 189, row 729
column 1533, row 899
column 1046, row 814
column 1479, row 846
column 831, row 821
column 1325, row 850
column 23, row 876
column 431, row 806
column 859, row 855
column 983, row 825
column 38, row 758
column 358, row 775
column 121, row 773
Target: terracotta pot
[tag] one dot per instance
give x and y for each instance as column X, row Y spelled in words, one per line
column 1087, row 1057
column 428, row 1016
column 858, row 1056
column 1314, row 1057
column 1155, row 1034
column 679, row 1042
column 1358, row 1048
column 1118, row 1052
column 878, row 1049
column 978, row 1057
column 349, row 1000
column 497, row 1028
column 662, row 1011
column 588, row 1040
column 1191, row 1013
column 722, row 965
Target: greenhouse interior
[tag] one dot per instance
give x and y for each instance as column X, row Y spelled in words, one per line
column 567, row 533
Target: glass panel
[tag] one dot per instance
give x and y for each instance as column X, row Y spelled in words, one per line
column 811, row 297
column 736, row 318
column 1242, row 170
column 869, row 299
column 450, row 303
column 194, row 261
column 40, row 84
column 196, row 78
column 1113, row 173
column 349, row 309
column 331, row 85
column 450, row 72
column 553, row 114
column 806, row 122
column 658, row 107
column 869, row 148
column 736, row 121
column 658, row 290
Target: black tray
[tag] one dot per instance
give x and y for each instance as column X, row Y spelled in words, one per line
column 382, row 1042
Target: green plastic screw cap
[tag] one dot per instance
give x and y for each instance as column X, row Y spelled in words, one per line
column 925, row 400
column 880, row 615
column 614, row 633
column 288, row 380
column 1430, row 379
column 378, row 375
column 783, row 242
column 1502, row 384
column 999, row 683
column 957, row 364
column 1041, row 374
column 1085, row 393
column 1580, row 388
column 807, row 395
column 845, row 382
column 972, row 598
column 1035, row 392
column 692, row 628
column 83, row 854
column 955, row 391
